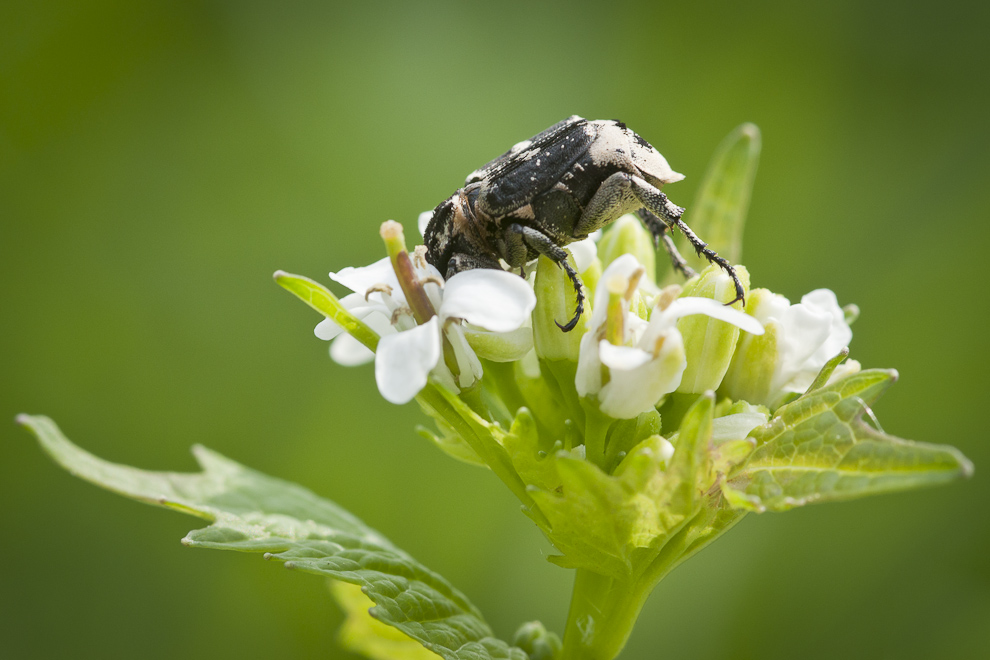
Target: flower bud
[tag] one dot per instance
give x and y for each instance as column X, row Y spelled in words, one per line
column 751, row 372
column 538, row 642
column 709, row 342
column 627, row 235
column 556, row 301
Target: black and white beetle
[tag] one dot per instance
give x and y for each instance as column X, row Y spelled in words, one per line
column 555, row 188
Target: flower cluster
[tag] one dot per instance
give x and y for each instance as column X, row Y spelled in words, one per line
column 629, row 351
column 624, row 439
column 667, row 413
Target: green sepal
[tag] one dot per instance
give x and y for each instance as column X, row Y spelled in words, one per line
column 322, row 300
column 822, row 378
column 817, row 449
column 252, row 512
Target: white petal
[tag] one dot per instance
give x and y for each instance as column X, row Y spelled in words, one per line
column 327, row 329
column 770, row 306
column 691, row 305
column 736, row 427
column 805, row 330
column 361, row 278
column 467, row 361
column 588, row 379
column 584, row 253
column 423, row 221
column 624, row 358
column 840, row 334
column 492, row 299
column 360, row 306
column 356, row 304
column 349, row 352
column 622, row 268
column 404, row 361
column 629, row 393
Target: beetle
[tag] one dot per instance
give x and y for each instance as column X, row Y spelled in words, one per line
column 556, row 188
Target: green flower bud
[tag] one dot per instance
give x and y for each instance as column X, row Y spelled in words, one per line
column 708, row 342
column 538, row 642
column 750, row 375
column 556, row 301
column 627, row 235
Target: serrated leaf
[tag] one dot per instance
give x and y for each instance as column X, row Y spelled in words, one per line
column 598, row 520
column 252, row 512
column 364, row 634
column 718, row 213
column 817, row 448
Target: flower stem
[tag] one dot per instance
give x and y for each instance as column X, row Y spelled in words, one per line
column 596, row 428
column 603, row 612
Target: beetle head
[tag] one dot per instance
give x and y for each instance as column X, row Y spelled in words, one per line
column 649, row 161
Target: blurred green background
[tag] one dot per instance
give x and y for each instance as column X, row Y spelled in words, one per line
column 159, row 160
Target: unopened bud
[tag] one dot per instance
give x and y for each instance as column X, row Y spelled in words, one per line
column 754, row 364
column 556, row 302
column 627, row 235
column 708, row 342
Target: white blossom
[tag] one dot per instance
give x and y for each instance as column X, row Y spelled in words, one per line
column 809, row 334
column 496, row 304
column 651, row 360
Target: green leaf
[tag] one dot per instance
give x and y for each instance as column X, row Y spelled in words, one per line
column 719, row 210
column 252, row 512
column 600, row 522
column 817, row 448
column 690, row 466
column 364, row 634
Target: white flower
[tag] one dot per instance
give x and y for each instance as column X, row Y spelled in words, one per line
column 585, row 251
column 650, row 361
column 496, row 302
column 809, row 334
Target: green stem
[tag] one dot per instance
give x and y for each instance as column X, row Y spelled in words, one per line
column 604, row 609
column 603, row 612
column 595, row 432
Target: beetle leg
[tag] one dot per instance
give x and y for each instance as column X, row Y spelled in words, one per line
column 544, row 245
column 659, row 229
column 613, row 198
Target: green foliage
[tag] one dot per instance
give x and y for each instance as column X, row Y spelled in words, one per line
column 817, row 448
column 252, row 512
column 364, row 634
